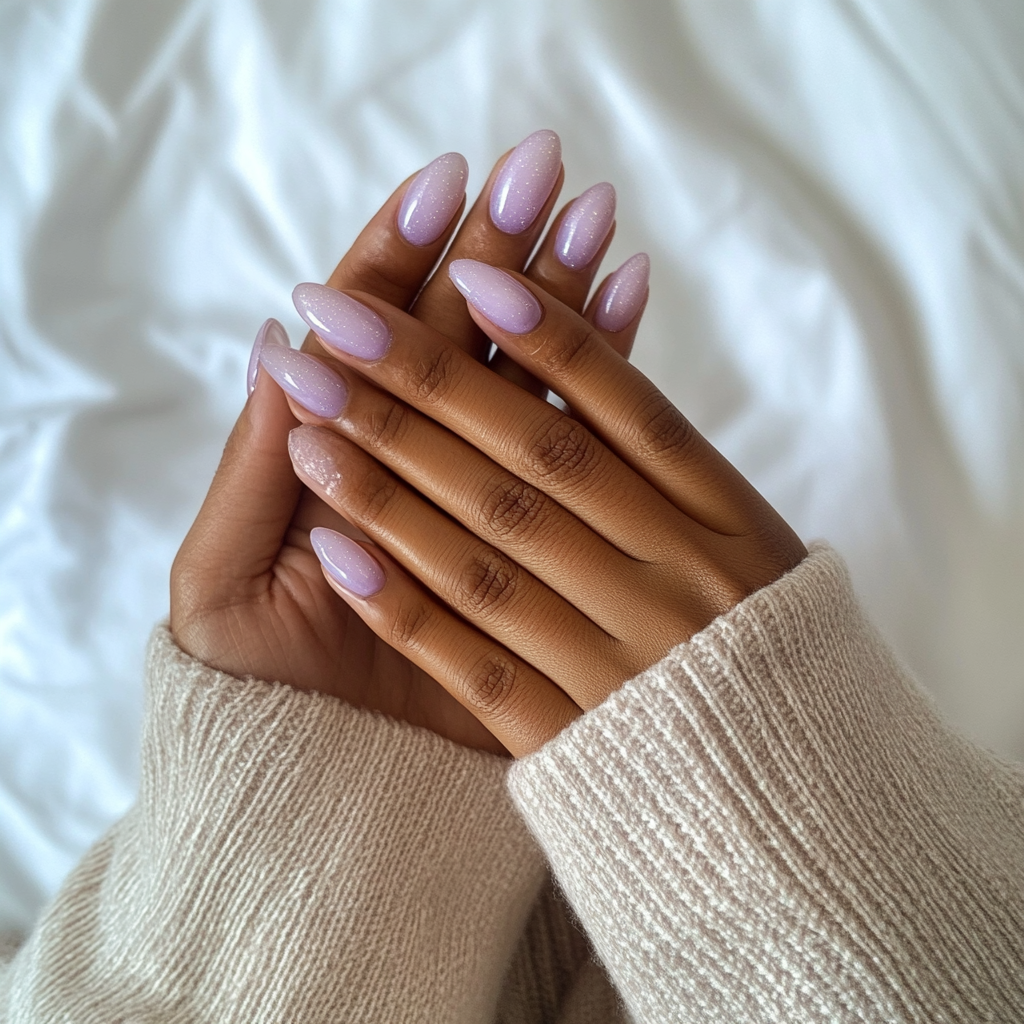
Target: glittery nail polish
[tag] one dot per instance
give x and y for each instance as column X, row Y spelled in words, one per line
column 347, row 562
column 623, row 294
column 585, row 226
column 271, row 333
column 308, row 454
column 432, row 198
column 525, row 181
column 306, row 379
column 501, row 298
column 343, row 323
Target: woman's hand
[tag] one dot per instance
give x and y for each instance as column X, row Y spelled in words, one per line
column 247, row 593
column 535, row 560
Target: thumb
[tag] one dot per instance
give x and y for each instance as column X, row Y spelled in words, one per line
column 240, row 528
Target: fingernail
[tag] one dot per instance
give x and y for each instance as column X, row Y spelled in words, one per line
column 525, row 182
column 343, row 323
column 432, row 198
column 271, row 333
column 310, row 456
column 307, row 380
column 624, row 293
column 347, row 563
column 585, row 226
column 502, row 299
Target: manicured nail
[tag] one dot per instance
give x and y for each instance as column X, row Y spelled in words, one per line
column 525, row 181
column 624, row 293
column 306, row 379
column 343, row 323
column 585, row 226
column 432, row 198
column 347, row 563
column 310, row 456
column 502, row 299
column 271, row 333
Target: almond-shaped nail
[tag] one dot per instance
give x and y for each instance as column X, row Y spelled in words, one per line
column 501, row 298
column 525, row 181
column 432, row 199
column 271, row 333
column 347, row 563
column 343, row 323
column 306, row 379
column 623, row 294
column 311, row 459
column 585, row 226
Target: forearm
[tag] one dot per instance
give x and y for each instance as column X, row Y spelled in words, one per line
column 773, row 824
column 289, row 857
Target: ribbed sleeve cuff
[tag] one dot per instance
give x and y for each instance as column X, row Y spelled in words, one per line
column 289, row 858
column 772, row 824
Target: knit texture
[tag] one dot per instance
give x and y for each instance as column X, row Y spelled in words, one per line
column 772, row 824
column 290, row 858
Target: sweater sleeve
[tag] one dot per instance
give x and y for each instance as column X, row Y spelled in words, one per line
column 289, row 858
column 773, row 824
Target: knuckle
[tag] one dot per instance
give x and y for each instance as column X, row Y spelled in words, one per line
column 512, row 506
column 490, row 683
column 560, row 355
column 432, row 377
column 406, row 628
column 564, row 448
column 664, row 430
column 488, row 582
column 386, row 427
column 376, row 493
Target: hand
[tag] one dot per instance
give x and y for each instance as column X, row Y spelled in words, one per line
column 534, row 560
column 247, row 593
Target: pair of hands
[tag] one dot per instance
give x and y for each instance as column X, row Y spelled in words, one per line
column 527, row 560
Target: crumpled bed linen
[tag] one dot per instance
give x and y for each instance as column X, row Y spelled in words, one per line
column 832, row 195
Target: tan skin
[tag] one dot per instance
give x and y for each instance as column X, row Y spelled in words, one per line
column 557, row 556
column 247, row 593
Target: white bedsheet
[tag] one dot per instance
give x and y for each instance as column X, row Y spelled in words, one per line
column 832, row 194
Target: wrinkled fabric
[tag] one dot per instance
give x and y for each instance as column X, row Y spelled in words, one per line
column 830, row 194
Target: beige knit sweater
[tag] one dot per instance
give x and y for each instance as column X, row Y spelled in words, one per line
column 771, row 824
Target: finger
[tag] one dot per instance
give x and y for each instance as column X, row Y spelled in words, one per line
column 502, row 227
column 527, row 436
column 566, row 263
column 484, row 586
column 501, row 509
column 613, row 398
column 521, row 708
column 239, row 530
column 397, row 249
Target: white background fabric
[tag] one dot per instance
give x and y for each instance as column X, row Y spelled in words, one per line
column 832, row 195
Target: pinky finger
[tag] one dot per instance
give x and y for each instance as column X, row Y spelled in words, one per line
column 520, row 707
column 618, row 304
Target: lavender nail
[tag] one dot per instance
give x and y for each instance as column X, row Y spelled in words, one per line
column 624, row 293
column 525, row 182
column 347, row 563
column 585, row 226
column 502, row 299
column 307, row 380
column 271, row 333
column 432, row 198
column 343, row 323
